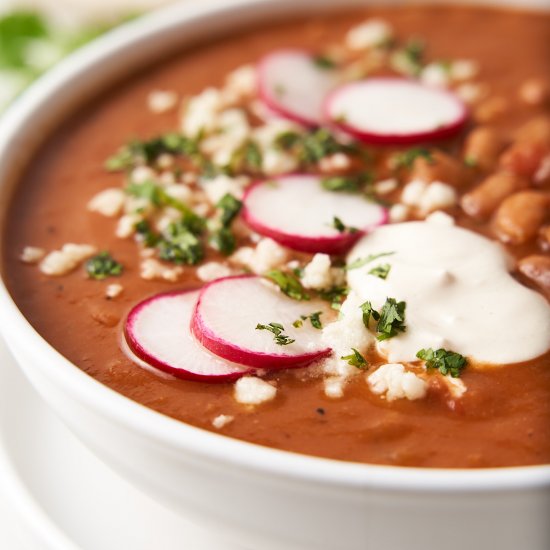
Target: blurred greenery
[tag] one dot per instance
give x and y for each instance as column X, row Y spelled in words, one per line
column 30, row 45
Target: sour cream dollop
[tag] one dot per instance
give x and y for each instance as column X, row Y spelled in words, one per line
column 459, row 294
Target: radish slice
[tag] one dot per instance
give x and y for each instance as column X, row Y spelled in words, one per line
column 292, row 84
column 395, row 111
column 229, row 310
column 297, row 212
column 158, row 331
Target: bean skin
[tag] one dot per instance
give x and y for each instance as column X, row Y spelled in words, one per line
column 482, row 148
column 440, row 167
column 483, row 200
column 520, row 216
column 537, row 269
column 536, row 130
column 524, row 158
column 535, row 91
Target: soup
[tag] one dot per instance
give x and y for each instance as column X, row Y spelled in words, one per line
column 374, row 280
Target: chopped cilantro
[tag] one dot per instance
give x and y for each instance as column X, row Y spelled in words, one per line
column 137, row 152
column 446, row 362
column 158, row 197
column 314, row 318
column 360, row 262
column 230, row 208
column 253, row 156
column 341, row 184
column 406, row 158
column 380, row 271
column 288, row 284
column 355, row 359
column 103, row 265
column 392, row 319
column 339, row 225
column 324, row 62
column 335, row 295
column 180, row 245
column 368, row 312
column 223, row 240
column 277, row 330
column 287, row 140
column 147, row 235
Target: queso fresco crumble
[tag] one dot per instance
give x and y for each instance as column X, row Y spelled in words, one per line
column 383, row 248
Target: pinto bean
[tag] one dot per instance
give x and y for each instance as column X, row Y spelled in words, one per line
column 520, row 216
column 536, row 130
column 544, row 238
column 535, row 91
column 439, row 167
column 482, row 147
column 484, row 199
column 537, row 269
column 491, row 109
column 524, row 158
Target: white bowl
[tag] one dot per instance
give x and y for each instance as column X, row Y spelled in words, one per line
column 263, row 498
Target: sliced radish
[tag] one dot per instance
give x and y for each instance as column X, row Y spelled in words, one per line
column 158, row 331
column 293, row 84
column 297, row 212
column 229, row 310
column 395, row 111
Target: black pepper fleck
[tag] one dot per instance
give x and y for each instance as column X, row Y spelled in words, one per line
column 320, row 411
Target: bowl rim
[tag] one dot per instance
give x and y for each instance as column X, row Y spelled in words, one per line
column 177, row 435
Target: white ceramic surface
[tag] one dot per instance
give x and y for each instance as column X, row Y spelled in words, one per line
column 265, row 499
column 56, row 495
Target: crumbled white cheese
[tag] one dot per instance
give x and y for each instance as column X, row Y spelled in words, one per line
column 267, row 255
column 335, row 162
column 151, row 269
column 393, row 381
column 126, row 225
column 211, row 271
column 165, row 161
column 398, row 213
column 201, row 113
column 229, row 133
column 456, row 386
column 179, row 192
column 318, row 273
column 436, row 74
column 108, row 202
column 441, row 218
column 334, row 386
column 219, row 186
column 250, row 390
column 161, row 101
column 32, row 254
column 464, row 69
column 242, row 82
column 275, row 162
column 141, row 174
column 347, row 332
column 370, row 34
column 222, row 420
column 61, row 262
column 384, row 187
column 428, row 197
column 167, row 216
column 471, row 92
column 113, row 290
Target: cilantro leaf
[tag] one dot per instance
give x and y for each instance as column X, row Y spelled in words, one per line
column 339, row 225
column 406, row 159
column 277, row 329
column 355, row 359
column 288, row 284
column 335, row 295
column 360, row 262
column 380, row 271
column 103, row 265
column 392, row 319
column 446, row 362
column 223, row 240
column 180, row 245
column 230, row 208
column 368, row 312
column 323, row 62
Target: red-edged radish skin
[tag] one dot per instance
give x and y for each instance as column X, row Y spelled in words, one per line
column 158, row 331
column 298, row 213
column 395, row 111
column 229, row 310
column 293, row 85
